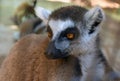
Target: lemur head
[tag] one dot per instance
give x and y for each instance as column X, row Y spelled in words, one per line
column 72, row 30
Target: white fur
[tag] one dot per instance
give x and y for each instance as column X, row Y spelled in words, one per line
column 94, row 13
column 90, row 64
column 42, row 13
column 59, row 25
column 88, row 41
column 91, row 16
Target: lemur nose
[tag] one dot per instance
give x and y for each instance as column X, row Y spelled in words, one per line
column 51, row 50
column 53, row 53
column 48, row 51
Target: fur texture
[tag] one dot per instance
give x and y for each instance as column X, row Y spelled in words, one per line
column 60, row 58
column 34, row 25
column 27, row 62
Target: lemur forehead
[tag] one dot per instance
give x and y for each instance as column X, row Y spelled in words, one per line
column 58, row 26
column 74, row 13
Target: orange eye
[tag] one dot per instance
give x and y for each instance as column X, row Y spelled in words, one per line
column 49, row 35
column 70, row 35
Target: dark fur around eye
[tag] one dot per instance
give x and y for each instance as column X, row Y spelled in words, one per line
column 72, row 30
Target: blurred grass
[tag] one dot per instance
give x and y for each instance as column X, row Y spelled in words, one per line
column 115, row 14
column 7, row 9
column 52, row 5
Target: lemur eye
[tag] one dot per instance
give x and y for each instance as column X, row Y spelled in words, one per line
column 49, row 35
column 49, row 31
column 70, row 36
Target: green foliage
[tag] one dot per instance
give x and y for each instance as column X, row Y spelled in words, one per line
column 115, row 15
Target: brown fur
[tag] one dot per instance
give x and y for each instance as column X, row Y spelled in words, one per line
column 23, row 10
column 26, row 62
column 29, row 26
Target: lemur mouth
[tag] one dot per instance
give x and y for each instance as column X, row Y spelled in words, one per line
column 53, row 53
column 57, row 55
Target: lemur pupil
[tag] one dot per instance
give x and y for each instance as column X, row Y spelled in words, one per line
column 70, row 35
column 49, row 35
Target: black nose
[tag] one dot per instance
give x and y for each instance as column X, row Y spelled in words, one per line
column 53, row 53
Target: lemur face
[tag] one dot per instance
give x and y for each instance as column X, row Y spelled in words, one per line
column 72, row 31
column 61, row 33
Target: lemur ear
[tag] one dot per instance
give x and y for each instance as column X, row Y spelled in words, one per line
column 42, row 13
column 94, row 18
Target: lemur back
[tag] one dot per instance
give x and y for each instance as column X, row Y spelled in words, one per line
column 33, row 25
column 27, row 62
column 71, row 53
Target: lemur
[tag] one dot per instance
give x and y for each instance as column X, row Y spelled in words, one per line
column 27, row 21
column 71, row 51
column 24, row 11
column 34, row 25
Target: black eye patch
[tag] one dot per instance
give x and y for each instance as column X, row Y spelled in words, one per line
column 71, row 30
